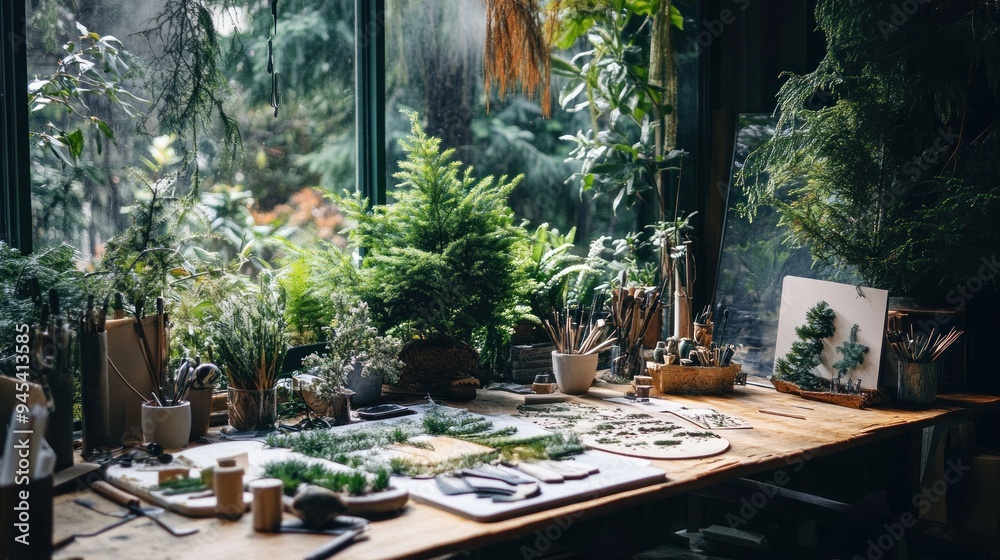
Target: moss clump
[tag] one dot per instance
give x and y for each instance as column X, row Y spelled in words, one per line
column 293, row 472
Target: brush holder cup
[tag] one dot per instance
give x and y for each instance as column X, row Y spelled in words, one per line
column 575, row 373
column 252, row 409
column 917, row 382
column 201, row 411
column 169, row 426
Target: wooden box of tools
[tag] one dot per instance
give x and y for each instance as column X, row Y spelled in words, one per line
column 693, row 379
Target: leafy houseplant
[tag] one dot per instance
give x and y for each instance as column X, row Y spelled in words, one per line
column 553, row 270
column 354, row 353
column 250, row 344
column 442, row 262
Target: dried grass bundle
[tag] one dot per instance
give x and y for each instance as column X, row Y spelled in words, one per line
column 517, row 49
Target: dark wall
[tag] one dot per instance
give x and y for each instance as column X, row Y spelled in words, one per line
column 744, row 47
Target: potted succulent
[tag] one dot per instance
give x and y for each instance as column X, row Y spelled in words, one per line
column 442, row 263
column 356, row 360
column 250, row 344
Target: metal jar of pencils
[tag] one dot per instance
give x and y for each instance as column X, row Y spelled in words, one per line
column 917, row 382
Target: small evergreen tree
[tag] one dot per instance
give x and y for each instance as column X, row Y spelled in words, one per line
column 446, row 260
column 798, row 365
column 853, row 352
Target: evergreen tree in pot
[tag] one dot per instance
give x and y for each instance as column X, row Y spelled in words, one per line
column 885, row 162
column 444, row 264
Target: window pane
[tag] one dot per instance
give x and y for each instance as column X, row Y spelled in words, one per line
column 84, row 178
column 434, row 52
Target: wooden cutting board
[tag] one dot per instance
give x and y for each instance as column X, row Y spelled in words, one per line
column 439, row 449
column 140, row 480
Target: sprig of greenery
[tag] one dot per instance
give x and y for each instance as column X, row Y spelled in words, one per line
column 184, row 485
column 332, row 444
column 798, row 365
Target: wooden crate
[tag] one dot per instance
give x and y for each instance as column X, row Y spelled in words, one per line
column 692, row 379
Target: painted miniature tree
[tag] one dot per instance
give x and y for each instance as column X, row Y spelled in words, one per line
column 798, row 365
column 854, row 354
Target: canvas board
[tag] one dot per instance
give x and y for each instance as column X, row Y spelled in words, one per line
column 863, row 306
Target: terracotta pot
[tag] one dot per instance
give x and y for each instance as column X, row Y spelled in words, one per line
column 168, row 426
column 575, row 373
column 653, row 332
column 252, row 410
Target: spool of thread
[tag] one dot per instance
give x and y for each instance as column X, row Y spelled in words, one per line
column 228, row 485
column 267, row 504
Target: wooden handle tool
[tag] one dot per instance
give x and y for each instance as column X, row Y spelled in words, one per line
column 115, row 495
column 781, row 413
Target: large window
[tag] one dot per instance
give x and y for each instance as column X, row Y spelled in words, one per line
column 200, row 113
column 187, row 97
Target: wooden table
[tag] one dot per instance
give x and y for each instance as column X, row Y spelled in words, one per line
column 422, row 531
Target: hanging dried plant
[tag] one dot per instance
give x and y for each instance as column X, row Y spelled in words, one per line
column 517, row 50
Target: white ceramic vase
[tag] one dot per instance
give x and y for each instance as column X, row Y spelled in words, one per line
column 169, row 426
column 575, row 373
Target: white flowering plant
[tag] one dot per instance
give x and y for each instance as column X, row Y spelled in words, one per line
column 353, row 340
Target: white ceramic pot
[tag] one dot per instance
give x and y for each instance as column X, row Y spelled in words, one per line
column 575, row 373
column 169, row 426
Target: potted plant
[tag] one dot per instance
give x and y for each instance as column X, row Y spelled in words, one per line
column 442, row 263
column 357, row 360
column 887, row 167
column 250, row 343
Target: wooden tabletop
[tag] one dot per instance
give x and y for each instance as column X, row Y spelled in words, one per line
column 422, row 531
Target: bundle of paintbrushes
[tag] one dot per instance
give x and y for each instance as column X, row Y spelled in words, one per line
column 582, row 336
column 155, row 350
column 917, row 347
column 714, row 356
column 632, row 310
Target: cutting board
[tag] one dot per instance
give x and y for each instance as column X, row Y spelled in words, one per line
column 439, row 450
column 617, row 475
column 139, row 480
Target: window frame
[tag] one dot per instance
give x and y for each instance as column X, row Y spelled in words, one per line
column 15, row 204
